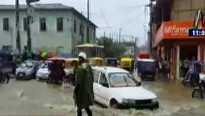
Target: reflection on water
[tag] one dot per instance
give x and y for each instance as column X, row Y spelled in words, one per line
column 38, row 98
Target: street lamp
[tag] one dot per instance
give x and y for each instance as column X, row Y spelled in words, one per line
column 29, row 7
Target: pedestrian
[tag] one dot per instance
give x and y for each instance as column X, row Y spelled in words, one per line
column 167, row 68
column 83, row 92
column 186, row 64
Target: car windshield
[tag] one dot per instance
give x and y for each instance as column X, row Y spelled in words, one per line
column 44, row 65
column 121, row 80
column 27, row 65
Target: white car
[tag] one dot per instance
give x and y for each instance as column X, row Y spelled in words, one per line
column 43, row 72
column 26, row 70
column 115, row 87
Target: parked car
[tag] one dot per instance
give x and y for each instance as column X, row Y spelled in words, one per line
column 116, row 88
column 43, row 72
column 27, row 70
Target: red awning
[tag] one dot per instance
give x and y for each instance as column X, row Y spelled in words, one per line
column 56, row 58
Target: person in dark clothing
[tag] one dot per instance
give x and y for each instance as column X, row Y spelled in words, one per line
column 83, row 92
column 4, row 76
column 186, row 64
column 51, row 68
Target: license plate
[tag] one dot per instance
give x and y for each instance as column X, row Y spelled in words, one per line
column 20, row 75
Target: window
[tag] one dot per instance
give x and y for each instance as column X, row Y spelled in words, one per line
column 74, row 26
column 121, row 80
column 81, row 30
column 59, row 24
column 96, row 75
column 103, row 81
column 42, row 24
column 25, row 23
column 6, row 48
column 6, row 24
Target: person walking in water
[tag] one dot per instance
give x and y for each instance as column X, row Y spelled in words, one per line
column 83, row 92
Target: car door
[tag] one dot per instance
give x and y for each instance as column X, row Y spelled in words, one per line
column 103, row 86
column 96, row 85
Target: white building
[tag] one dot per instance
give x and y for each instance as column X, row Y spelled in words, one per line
column 53, row 26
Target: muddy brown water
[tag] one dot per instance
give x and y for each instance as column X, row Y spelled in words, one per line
column 37, row 98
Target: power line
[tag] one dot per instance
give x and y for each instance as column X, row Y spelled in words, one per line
column 102, row 13
column 134, row 7
column 125, row 23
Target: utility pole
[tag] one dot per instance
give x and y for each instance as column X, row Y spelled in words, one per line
column 18, row 40
column 88, row 21
column 29, row 42
column 29, row 47
column 151, row 25
column 120, row 30
column 135, row 51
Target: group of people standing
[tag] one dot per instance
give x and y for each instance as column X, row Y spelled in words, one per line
column 185, row 66
column 164, row 68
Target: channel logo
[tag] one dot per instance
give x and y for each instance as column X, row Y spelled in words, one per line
column 198, row 27
column 199, row 20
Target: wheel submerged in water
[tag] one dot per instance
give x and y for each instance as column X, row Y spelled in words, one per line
column 113, row 104
column 196, row 93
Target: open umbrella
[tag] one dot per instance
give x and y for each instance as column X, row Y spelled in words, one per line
column 51, row 54
column 143, row 55
column 56, row 58
column 44, row 54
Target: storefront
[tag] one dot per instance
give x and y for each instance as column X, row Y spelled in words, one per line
column 173, row 43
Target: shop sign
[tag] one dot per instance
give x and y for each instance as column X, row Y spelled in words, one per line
column 176, row 29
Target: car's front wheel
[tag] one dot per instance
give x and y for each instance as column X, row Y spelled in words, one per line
column 113, row 104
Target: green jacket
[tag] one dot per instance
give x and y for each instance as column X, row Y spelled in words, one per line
column 84, row 96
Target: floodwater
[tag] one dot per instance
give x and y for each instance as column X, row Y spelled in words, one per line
column 37, row 98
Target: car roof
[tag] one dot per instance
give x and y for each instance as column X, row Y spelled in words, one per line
column 146, row 60
column 108, row 69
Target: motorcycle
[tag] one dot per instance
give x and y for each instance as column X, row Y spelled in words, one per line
column 199, row 92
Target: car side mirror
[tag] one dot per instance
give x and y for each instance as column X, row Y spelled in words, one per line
column 105, row 84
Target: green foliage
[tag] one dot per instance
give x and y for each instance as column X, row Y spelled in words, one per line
column 111, row 48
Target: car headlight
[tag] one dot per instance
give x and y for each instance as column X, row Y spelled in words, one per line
column 154, row 100
column 128, row 101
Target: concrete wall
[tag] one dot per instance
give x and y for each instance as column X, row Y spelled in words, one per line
column 77, row 38
column 50, row 38
column 185, row 9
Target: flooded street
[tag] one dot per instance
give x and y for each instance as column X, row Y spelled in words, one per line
column 36, row 98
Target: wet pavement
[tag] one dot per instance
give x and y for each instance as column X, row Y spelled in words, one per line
column 37, row 98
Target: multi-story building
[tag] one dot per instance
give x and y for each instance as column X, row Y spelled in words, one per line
column 174, row 19
column 53, row 26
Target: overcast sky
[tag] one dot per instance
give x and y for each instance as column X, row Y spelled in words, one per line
column 110, row 15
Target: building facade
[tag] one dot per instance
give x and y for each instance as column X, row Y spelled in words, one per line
column 54, row 26
column 172, row 39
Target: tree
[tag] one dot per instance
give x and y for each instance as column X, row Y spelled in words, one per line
column 111, row 49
